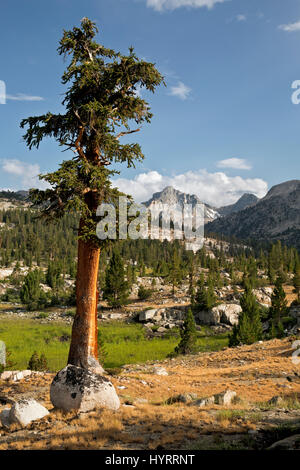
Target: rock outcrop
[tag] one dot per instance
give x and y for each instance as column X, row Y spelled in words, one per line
column 23, row 412
column 223, row 313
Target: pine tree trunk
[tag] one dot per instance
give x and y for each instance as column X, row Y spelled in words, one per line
column 84, row 342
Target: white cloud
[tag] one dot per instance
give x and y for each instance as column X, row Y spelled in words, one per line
column 216, row 189
column 181, row 91
column 235, row 163
column 26, row 174
column 241, row 17
column 160, row 5
column 290, row 27
column 24, row 97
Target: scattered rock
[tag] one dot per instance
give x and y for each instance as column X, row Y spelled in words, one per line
column 6, row 375
column 4, row 418
column 289, row 443
column 205, row 401
column 182, row 398
column 225, row 398
column 263, row 295
column 74, row 388
column 26, row 373
column 25, row 411
column 170, row 326
column 160, row 371
column 17, row 376
column 161, row 329
column 141, row 401
column 147, row 315
column 115, row 316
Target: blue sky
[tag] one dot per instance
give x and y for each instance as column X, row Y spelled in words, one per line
column 225, row 124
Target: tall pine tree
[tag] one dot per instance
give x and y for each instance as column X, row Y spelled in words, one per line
column 101, row 104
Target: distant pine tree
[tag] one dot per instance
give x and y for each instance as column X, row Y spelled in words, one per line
column 175, row 272
column 188, row 334
column 249, row 328
column 191, row 290
column 200, row 300
column 211, row 297
column 31, row 291
column 205, row 298
column 296, row 283
column 53, row 275
column 116, row 290
column 278, row 309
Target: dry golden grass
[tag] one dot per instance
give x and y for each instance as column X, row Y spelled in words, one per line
column 256, row 373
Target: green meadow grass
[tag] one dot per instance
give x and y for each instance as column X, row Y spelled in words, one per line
column 124, row 343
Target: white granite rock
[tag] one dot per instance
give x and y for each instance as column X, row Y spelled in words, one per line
column 74, row 388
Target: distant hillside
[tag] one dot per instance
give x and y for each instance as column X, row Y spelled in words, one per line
column 14, row 195
column 246, row 200
column 276, row 216
column 13, row 199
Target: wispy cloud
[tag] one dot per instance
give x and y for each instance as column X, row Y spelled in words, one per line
column 290, row 27
column 216, row 189
column 161, row 5
column 235, row 163
column 26, row 174
column 241, row 17
column 24, row 97
column 237, row 18
column 181, row 91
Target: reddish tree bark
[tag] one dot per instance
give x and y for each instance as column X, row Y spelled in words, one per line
column 84, row 343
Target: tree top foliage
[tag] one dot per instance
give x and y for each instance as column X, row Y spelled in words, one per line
column 102, row 104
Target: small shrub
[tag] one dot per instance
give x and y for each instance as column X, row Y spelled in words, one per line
column 10, row 295
column 230, row 415
column 70, row 313
column 144, row 294
column 154, row 328
column 43, row 364
column 37, row 363
column 43, row 315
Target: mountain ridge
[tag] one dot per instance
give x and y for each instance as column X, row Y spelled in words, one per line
column 275, row 216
